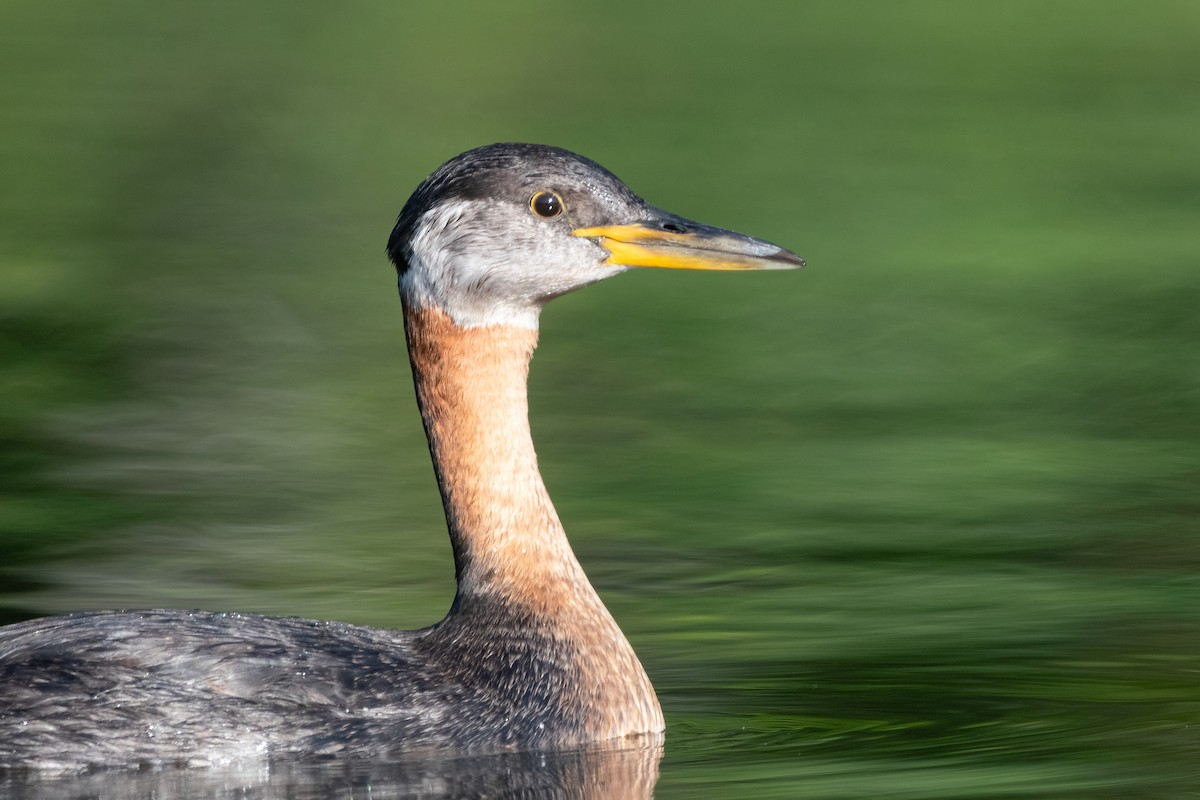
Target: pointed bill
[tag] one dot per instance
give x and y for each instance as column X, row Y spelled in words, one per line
column 665, row 240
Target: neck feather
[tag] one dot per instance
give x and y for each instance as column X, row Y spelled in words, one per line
column 509, row 546
column 472, row 390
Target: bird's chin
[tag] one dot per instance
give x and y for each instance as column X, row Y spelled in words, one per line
column 602, row 272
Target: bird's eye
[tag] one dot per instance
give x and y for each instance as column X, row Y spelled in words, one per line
column 546, row 204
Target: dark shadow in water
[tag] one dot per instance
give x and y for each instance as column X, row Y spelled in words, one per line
column 593, row 773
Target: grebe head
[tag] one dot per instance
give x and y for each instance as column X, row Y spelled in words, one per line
column 496, row 232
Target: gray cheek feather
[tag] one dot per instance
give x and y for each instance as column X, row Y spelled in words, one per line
column 460, row 263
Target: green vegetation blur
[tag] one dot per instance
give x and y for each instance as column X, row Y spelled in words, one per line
column 967, row 433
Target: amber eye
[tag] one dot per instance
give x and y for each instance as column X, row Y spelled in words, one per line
column 546, row 204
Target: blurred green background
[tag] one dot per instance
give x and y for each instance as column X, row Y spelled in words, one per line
column 919, row 520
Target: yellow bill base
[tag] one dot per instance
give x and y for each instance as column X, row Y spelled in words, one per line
column 641, row 246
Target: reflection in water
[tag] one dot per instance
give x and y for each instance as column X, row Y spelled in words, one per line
column 593, row 773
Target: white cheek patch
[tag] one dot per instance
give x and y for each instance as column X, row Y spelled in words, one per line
column 473, row 260
column 445, row 271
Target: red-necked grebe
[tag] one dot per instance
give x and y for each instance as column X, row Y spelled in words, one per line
column 528, row 657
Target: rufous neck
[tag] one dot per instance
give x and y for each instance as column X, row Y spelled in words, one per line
column 472, row 391
column 510, row 550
